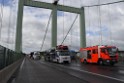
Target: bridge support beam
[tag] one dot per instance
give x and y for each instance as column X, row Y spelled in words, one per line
column 54, row 27
column 82, row 29
column 18, row 45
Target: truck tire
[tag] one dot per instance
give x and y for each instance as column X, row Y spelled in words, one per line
column 57, row 61
column 100, row 62
column 85, row 61
column 112, row 64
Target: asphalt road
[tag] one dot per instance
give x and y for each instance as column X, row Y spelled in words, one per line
column 45, row 72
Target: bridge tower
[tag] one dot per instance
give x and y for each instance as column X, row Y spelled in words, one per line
column 54, row 8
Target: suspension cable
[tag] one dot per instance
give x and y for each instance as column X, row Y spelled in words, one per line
column 110, row 25
column 63, row 22
column 47, row 27
column 9, row 26
column 69, row 29
column 71, row 36
column 81, row 2
column 121, row 1
column 89, row 24
column 1, row 17
column 13, row 30
column 100, row 32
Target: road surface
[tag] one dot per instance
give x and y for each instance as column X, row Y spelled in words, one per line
column 38, row 71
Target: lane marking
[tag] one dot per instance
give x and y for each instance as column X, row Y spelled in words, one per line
column 90, row 73
column 22, row 64
column 98, row 74
column 121, row 71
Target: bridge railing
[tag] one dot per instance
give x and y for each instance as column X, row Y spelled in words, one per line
column 8, row 57
column 9, row 62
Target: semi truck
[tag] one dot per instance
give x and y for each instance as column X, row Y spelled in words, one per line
column 59, row 54
column 99, row 54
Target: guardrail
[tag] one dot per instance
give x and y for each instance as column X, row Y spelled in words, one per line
column 9, row 62
column 8, row 57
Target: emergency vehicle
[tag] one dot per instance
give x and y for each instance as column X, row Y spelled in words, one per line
column 59, row 54
column 99, row 54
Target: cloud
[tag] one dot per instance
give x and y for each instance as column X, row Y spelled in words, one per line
column 35, row 21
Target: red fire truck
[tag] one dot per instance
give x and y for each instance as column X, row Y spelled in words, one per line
column 99, row 54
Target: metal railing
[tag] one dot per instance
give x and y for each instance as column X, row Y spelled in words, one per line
column 8, row 57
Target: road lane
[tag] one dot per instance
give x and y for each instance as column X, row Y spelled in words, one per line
column 35, row 72
column 89, row 76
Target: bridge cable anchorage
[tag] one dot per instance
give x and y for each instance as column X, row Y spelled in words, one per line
column 69, row 29
column 1, row 17
column 121, row 1
column 47, row 27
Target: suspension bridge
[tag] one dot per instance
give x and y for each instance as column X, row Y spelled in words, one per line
column 91, row 28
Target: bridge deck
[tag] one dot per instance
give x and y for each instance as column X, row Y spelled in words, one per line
column 35, row 72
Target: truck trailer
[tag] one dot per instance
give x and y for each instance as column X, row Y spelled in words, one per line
column 59, row 54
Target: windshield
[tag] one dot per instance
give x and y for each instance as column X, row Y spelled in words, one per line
column 63, row 53
column 112, row 50
column 109, row 50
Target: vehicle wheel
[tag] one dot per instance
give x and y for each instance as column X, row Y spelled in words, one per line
column 57, row 61
column 100, row 62
column 85, row 61
column 111, row 64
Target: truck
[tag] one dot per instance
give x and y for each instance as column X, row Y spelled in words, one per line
column 59, row 54
column 99, row 54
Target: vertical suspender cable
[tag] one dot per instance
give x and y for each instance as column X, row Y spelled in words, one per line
column 9, row 25
column 81, row 3
column 89, row 25
column 47, row 27
column 99, row 10
column 69, row 29
column 13, row 30
column 1, row 17
column 109, row 16
column 70, row 38
column 63, row 21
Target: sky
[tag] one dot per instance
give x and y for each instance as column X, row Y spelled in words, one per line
column 104, row 25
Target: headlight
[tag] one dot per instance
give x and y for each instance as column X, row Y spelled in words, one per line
column 108, row 61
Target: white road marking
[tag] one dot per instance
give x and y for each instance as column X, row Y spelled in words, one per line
column 22, row 64
column 93, row 73
column 98, row 74
column 121, row 71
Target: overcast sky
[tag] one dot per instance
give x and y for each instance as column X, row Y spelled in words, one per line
column 104, row 25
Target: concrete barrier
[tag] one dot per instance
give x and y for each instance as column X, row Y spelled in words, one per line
column 7, row 72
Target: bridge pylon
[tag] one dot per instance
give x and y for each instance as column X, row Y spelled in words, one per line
column 54, row 8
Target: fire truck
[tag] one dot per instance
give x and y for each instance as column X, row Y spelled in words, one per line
column 59, row 54
column 99, row 54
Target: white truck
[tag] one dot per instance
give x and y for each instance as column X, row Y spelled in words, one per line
column 60, row 54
